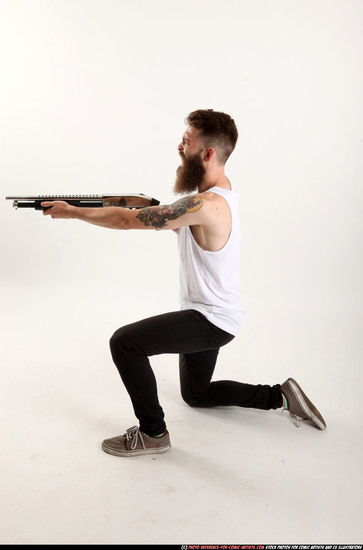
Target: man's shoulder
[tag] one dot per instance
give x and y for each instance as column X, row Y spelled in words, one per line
column 213, row 200
column 208, row 200
column 191, row 203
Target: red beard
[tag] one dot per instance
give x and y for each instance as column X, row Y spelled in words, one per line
column 190, row 174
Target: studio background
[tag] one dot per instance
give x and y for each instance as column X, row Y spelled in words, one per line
column 93, row 99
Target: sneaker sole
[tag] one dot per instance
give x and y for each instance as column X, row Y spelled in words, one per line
column 309, row 409
column 137, row 452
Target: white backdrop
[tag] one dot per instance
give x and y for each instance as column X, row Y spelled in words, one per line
column 93, row 98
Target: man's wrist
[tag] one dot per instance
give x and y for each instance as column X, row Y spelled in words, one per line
column 73, row 212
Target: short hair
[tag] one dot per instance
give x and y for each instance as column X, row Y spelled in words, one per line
column 218, row 130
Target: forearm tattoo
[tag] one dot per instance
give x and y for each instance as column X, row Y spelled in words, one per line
column 158, row 216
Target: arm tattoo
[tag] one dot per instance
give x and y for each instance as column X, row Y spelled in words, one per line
column 158, row 216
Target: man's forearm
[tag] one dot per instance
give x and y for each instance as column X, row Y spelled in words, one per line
column 111, row 217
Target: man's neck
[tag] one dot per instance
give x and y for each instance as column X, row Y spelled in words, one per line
column 214, row 180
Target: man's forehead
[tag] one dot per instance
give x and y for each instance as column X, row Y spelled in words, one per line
column 191, row 133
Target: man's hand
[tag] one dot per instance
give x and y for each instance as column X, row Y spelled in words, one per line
column 58, row 209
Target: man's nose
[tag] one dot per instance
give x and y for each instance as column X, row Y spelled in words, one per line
column 180, row 147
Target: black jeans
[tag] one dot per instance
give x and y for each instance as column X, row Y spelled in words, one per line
column 197, row 341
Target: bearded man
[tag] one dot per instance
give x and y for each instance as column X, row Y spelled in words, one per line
column 206, row 221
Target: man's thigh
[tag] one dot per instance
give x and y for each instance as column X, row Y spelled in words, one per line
column 181, row 332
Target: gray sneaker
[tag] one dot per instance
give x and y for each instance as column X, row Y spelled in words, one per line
column 135, row 443
column 300, row 406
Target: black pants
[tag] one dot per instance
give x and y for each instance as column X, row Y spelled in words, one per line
column 197, row 341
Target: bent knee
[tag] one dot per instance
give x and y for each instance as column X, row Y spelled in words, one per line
column 115, row 339
column 193, row 400
column 126, row 341
column 119, row 339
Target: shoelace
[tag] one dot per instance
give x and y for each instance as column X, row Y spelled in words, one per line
column 133, row 434
column 294, row 418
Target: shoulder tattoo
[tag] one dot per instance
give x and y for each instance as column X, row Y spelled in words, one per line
column 158, row 216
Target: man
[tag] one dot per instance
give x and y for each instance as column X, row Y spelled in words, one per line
column 207, row 224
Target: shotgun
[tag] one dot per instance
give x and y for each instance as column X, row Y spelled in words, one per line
column 125, row 200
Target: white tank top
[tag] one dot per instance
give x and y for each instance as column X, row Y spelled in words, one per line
column 209, row 281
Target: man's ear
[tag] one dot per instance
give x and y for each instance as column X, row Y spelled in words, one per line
column 209, row 154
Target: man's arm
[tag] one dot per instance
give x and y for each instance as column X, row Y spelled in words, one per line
column 185, row 211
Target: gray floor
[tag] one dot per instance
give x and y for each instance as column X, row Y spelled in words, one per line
column 232, row 475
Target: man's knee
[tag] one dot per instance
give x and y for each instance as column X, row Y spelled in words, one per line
column 126, row 341
column 116, row 339
column 192, row 400
column 120, row 342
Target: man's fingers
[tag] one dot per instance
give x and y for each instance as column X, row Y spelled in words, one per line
column 55, row 209
column 46, row 205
